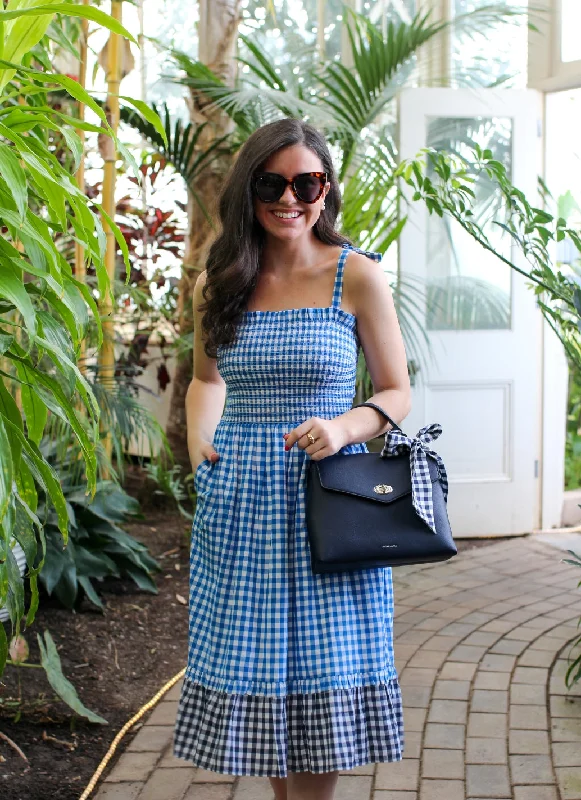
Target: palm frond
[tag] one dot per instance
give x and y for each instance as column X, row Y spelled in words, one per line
column 462, row 302
column 261, row 66
column 351, row 105
column 123, row 417
column 259, row 97
column 409, row 295
column 200, row 78
column 184, row 150
column 371, row 197
column 357, row 95
column 489, row 16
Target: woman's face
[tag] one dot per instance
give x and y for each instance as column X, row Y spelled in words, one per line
column 289, row 162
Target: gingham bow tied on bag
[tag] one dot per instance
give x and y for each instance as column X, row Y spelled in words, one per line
column 366, row 510
column 396, row 443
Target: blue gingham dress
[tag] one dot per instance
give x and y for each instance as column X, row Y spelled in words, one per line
column 287, row 670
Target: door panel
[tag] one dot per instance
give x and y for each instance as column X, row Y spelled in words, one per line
column 483, row 381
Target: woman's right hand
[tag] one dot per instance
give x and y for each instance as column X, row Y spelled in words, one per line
column 205, row 451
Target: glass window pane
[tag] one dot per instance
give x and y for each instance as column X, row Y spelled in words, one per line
column 570, row 25
column 288, row 34
column 495, row 54
column 381, row 13
column 391, row 10
column 294, row 23
column 563, row 169
column 468, row 287
column 333, row 27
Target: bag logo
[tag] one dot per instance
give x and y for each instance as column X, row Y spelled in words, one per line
column 382, row 488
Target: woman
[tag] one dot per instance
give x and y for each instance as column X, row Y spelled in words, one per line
column 290, row 674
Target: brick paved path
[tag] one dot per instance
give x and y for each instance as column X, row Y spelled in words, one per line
column 481, row 648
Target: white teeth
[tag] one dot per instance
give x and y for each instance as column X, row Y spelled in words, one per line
column 283, row 215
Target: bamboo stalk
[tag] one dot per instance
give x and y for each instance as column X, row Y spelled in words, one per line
column 80, row 271
column 107, row 353
column 17, row 316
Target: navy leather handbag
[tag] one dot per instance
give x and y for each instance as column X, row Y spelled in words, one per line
column 368, row 510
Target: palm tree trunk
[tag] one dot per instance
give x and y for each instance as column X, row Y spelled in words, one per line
column 217, row 35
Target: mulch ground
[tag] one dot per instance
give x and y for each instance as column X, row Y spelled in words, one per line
column 117, row 661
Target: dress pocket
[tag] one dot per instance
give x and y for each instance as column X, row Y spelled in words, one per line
column 203, row 481
column 201, row 473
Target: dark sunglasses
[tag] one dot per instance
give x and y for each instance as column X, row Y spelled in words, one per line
column 306, row 187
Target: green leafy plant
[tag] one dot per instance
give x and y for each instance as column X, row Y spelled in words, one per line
column 573, row 436
column 353, row 105
column 97, row 547
column 180, row 145
column 123, row 417
column 448, row 189
column 170, row 484
column 44, row 310
column 154, row 230
column 50, row 662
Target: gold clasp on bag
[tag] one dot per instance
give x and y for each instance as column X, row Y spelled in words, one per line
column 382, row 488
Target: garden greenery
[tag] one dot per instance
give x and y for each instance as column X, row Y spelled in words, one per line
column 444, row 183
column 44, row 310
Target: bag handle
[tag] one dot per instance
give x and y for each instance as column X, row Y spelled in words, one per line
column 385, row 414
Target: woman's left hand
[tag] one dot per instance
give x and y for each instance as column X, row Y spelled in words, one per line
column 330, row 436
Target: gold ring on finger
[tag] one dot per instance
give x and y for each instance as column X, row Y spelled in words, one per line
column 311, row 438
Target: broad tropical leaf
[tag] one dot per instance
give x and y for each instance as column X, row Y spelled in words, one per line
column 44, row 309
column 51, row 662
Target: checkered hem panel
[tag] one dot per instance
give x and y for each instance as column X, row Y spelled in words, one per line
column 243, row 734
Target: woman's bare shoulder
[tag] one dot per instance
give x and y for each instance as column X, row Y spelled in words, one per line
column 364, row 275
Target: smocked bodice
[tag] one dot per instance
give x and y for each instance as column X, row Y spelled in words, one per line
column 288, row 365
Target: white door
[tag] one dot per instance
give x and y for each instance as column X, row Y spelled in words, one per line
column 483, row 382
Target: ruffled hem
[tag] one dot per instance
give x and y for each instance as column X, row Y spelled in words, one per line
column 266, row 736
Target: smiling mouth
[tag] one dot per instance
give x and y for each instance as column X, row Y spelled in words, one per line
column 287, row 214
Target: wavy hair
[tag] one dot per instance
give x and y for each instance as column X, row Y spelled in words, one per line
column 233, row 262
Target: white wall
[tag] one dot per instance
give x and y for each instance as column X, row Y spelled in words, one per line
column 159, row 403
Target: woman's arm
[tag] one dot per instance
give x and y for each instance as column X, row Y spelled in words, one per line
column 206, row 393
column 382, row 343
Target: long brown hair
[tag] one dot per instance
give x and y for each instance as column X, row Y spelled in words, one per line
column 233, row 261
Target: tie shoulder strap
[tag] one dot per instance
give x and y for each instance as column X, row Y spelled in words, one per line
column 369, row 253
